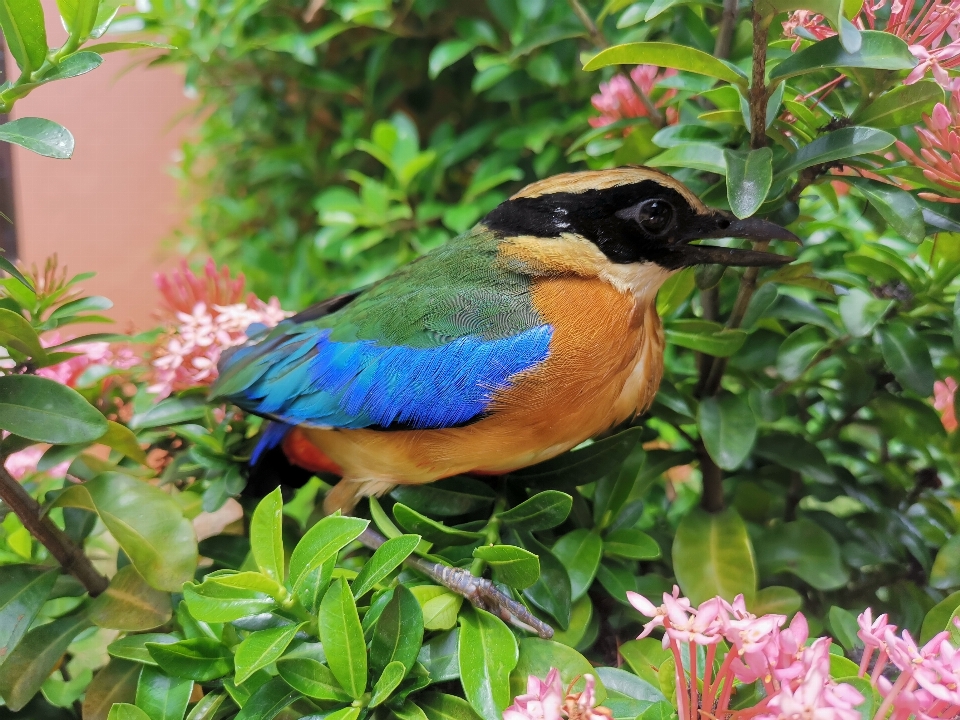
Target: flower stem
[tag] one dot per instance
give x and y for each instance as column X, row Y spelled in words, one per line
column 694, row 704
column 708, row 691
column 905, row 681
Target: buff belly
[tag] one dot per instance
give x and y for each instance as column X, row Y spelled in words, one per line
column 605, row 364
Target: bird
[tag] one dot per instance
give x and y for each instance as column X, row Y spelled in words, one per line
column 512, row 343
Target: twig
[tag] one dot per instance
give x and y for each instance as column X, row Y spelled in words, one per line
column 67, row 553
column 712, row 476
column 600, row 41
column 728, row 23
column 758, row 82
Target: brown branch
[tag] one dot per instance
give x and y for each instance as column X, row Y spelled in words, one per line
column 67, row 553
column 712, row 498
column 728, row 24
column 758, row 82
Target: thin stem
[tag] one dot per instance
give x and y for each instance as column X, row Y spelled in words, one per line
column 694, row 704
column 708, row 691
column 712, row 498
column 728, row 23
column 67, row 553
column 725, row 676
column 758, row 82
column 904, row 682
column 865, row 661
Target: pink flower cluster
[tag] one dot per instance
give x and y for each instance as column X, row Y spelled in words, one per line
column 944, row 394
column 546, row 700
column 928, row 685
column 208, row 317
column 932, row 32
column 795, row 677
column 939, row 157
column 619, row 100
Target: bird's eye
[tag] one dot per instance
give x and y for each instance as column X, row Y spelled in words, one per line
column 656, row 217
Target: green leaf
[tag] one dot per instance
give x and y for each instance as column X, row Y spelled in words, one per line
column 216, row 602
column 804, row 549
column 261, row 648
column 439, row 606
column 11, row 269
column 266, row 536
column 861, row 311
column 32, row 661
column 133, row 647
column 44, row 410
column 537, row 657
column 391, row 677
column 627, row 684
column 440, row 706
column 109, row 47
column 446, row 53
column 898, row 207
column 843, row 626
column 121, row 438
column 201, row 659
column 777, row 600
column 796, row 453
column 938, row 617
column 705, row 336
column 147, row 523
column 311, row 678
column 580, row 552
column 582, row 466
column 488, row 653
column 903, row 105
column 130, row 604
column 667, row 55
column 632, row 544
column 16, row 333
column 446, row 498
column 342, row 637
column 878, row 50
column 23, row 591
column 542, row 511
column 170, row 411
column 699, row 156
column 613, row 490
column 749, row 176
column 270, row 699
column 945, row 572
column 431, row 530
column 385, row 560
column 728, row 429
column 322, row 542
column 162, row 697
column 39, row 135
column 836, row 145
column 511, row 565
column 713, row 555
column 551, row 592
column 907, row 356
column 24, row 32
column 439, row 656
column 79, row 16
column 126, row 711
column 398, row 634
column 210, row 706
column 799, row 350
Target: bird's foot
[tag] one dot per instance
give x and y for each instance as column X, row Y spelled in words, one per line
column 485, row 595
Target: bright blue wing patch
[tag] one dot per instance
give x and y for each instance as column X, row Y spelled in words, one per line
column 306, row 378
column 273, row 435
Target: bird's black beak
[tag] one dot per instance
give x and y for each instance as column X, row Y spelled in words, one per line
column 719, row 224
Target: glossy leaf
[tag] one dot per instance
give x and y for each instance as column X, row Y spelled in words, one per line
column 431, row 530
column 146, row 522
column 667, row 55
column 321, row 543
column 31, row 662
column 391, row 677
column 796, row 453
column 262, row 648
column 439, row 656
column 201, row 659
column 705, row 336
column 898, row 207
column 776, row 599
column 398, row 634
column 39, row 135
column 836, row 145
column 133, row 647
column 799, row 350
column 170, row 411
column 537, row 657
column 269, row 700
column 878, row 50
column 439, row 606
column 446, row 498
column 903, row 105
column 217, row 602
column 162, row 697
column 907, row 356
column 582, row 466
column 312, row 678
column 266, row 535
column 632, row 544
column 728, row 429
column 129, row 603
column 552, row 591
column 17, row 334
column 46, row 411
column 23, row 591
column 945, row 572
column 511, row 565
column 440, row 706
column 115, row 683
column 24, row 33
column 120, row 438
column 939, row 616
column 488, row 653
column 544, row 510
column 110, row 47
column 342, row 638
column 843, row 626
column 126, row 711
column 713, row 555
column 861, row 311
column 699, row 156
column 11, row 270
column 749, row 176
column 804, row 549
column 446, row 54
column 385, row 560
column 580, row 552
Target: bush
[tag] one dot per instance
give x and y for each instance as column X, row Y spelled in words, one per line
column 796, row 454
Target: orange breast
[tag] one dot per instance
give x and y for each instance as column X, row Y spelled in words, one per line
column 605, row 364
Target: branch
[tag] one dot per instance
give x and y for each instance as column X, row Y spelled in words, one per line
column 758, row 82
column 728, row 23
column 600, row 41
column 712, row 498
column 67, row 553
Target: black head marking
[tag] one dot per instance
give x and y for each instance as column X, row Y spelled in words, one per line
column 636, row 222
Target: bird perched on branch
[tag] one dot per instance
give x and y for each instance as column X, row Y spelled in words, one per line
column 509, row 345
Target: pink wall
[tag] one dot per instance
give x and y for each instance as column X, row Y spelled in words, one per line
column 110, row 207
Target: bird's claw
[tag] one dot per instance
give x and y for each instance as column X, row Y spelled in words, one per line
column 485, row 595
